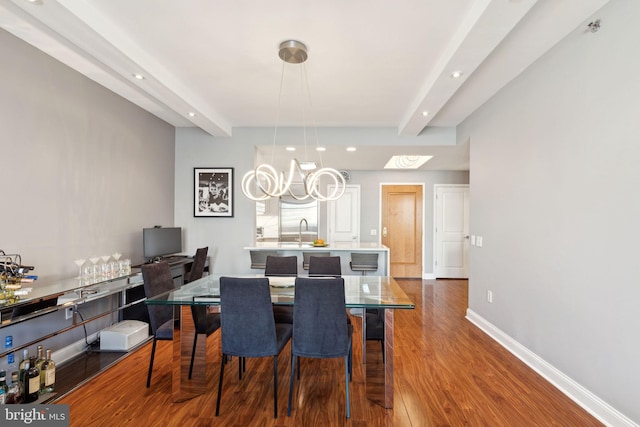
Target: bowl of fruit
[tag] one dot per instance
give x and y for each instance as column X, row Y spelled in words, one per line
column 320, row 243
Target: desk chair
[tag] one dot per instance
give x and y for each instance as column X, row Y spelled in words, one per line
column 158, row 280
column 283, row 266
column 205, row 322
column 248, row 326
column 320, row 328
column 308, row 254
column 363, row 261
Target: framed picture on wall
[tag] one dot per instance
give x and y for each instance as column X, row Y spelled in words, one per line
column 213, row 192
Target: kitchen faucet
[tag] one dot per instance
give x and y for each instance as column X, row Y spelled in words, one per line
column 300, row 230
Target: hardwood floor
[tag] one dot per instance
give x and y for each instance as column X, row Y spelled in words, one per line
column 447, row 373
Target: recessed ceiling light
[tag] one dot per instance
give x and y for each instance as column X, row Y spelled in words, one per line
column 191, row 114
column 290, row 148
column 308, row 166
column 321, row 149
column 406, row 162
column 456, row 74
column 138, row 76
column 351, row 148
column 425, row 113
column 34, row 1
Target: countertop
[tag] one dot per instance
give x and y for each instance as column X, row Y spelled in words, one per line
column 337, row 246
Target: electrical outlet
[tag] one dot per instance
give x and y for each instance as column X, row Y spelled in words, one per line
column 489, row 296
column 68, row 313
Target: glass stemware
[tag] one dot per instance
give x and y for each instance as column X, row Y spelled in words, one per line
column 94, row 261
column 79, row 262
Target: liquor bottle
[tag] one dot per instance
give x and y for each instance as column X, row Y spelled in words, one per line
column 40, row 357
column 3, row 387
column 16, row 391
column 32, row 382
column 24, row 366
column 47, row 374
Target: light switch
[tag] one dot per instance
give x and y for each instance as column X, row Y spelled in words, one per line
column 374, row 232
column 473, row 240
column 479, row 241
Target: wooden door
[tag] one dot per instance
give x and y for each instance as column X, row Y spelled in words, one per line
column 402, row 228
column 452, row 232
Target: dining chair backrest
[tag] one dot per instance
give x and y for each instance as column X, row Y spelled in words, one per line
column 281, row 266
column 320, row 327
column 197, row 268
column 325, row 266
column 157, row 279
column 308, row 254
column 246, row 317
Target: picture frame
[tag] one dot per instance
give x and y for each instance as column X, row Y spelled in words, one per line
column 213, row 192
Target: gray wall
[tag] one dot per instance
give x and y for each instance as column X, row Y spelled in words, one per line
column 227, row 236
column 82, row 172
column 554, row 193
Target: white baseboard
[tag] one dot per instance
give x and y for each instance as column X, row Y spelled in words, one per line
column 583, row 397
column 428, row 276
column 72, row 350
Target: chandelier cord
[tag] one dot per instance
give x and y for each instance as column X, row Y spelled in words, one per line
column 275, row 131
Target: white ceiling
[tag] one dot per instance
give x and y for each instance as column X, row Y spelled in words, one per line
column 372, row 63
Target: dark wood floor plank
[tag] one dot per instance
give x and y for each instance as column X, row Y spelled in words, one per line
column 447, row 373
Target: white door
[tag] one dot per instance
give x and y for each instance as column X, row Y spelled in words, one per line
column 452, row 231
column 343, row 216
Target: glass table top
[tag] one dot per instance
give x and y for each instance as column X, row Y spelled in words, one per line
column 360, row 292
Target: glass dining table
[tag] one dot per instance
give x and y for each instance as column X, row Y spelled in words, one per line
column 361, row 293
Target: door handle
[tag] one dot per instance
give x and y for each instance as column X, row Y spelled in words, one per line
column 466, row 237
column 384, row 231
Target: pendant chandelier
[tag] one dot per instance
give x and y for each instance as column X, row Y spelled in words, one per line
column 264, row 181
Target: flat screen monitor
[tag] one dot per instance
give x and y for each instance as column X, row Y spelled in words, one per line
column 158, row 242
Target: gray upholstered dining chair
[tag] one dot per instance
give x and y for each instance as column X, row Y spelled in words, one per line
column 204, row 322
column 158, row 279
column 308, row 254
column 320, row 328
column 282, row 266
column 248, row 326
column 325, row 266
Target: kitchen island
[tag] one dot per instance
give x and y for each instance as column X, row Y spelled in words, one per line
column 341, row 249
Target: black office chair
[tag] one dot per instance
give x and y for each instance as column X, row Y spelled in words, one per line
column 320, row 328
column 363, row 262
column 158, row 280
column 205, row 322
column 325, row 266
column 248, row 326
column 283, row 266
column 308, row 254
column 259, row 258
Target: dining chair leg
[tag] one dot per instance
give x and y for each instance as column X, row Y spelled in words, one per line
column 275, row 386
column 193, row 353
column 291, row 379
column 346, row 382
column 153, row 353
column 222, row 363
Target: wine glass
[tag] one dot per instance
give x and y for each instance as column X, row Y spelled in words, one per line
column 94, row 261
column 116, row 256
column 79, row 262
